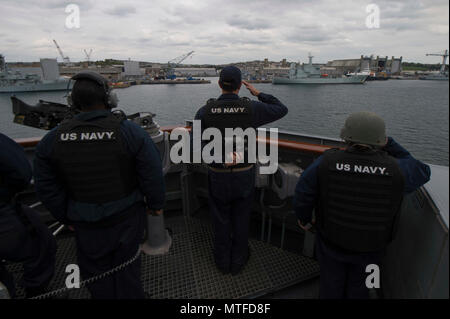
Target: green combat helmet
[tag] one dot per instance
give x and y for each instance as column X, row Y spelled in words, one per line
column 365, row 128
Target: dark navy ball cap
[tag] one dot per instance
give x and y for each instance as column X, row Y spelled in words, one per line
column 230, row 77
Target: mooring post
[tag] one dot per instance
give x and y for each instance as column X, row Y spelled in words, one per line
column 158, row 238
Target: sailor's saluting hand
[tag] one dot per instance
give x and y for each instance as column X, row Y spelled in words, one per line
column 251, row 88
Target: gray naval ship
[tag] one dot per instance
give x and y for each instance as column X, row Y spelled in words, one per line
column 15, row 81
column 310, row 74
column 441, row 76
column 179, row 263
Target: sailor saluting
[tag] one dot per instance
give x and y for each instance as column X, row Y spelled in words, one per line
column 232, row 180
column 100, row 173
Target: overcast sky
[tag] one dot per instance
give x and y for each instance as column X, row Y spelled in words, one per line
column 224, row 31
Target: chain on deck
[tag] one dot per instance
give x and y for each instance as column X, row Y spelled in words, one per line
column 188, row 270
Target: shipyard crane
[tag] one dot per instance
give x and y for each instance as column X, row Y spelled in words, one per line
column 444, row 58
column 66, row 59
column 174, row 62
column 88, row 55
column 2, row 63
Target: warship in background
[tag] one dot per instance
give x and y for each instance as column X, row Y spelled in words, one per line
column 442, row 75
column 435, row 77
column 15, row 81
column 310, row 74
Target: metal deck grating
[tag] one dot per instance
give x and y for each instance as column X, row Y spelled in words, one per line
column 213, row 284
column 188, row 270
column 65, row 254
column 171, row 275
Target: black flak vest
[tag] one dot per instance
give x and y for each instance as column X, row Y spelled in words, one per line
column 222, row 114
column 360, row 196
column 92, row 160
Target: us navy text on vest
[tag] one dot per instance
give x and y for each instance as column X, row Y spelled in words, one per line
column 87, row 136
column 229, row 110
column 374, row 170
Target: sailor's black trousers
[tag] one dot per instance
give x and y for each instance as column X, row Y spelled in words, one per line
column 25, row 239
column 230, row 203
column 100, row 249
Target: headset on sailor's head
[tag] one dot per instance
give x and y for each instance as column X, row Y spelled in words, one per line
column 111, row 100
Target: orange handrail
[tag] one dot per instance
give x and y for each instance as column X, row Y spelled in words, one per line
column 285, row 144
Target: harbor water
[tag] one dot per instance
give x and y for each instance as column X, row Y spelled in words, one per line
column 416, row 112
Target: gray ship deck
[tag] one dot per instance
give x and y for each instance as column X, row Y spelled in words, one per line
column 188, row 270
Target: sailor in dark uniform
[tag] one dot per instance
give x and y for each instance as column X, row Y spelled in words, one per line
column 99, row 173
column 356, row 193
column 24, row 238
column 231, row 186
